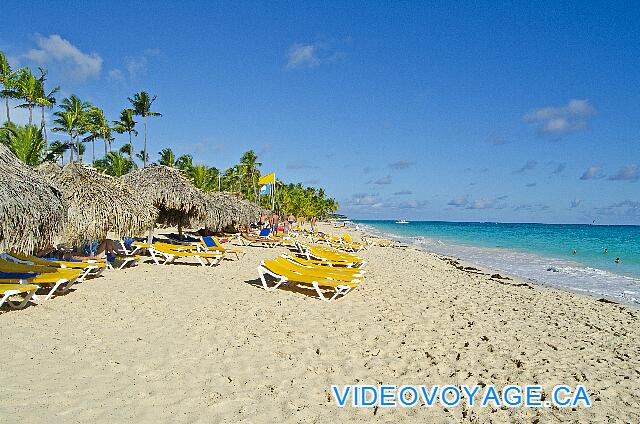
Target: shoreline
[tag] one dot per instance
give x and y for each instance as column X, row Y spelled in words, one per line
column 374, row 233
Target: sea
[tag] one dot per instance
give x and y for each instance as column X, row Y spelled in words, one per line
column 580, row 258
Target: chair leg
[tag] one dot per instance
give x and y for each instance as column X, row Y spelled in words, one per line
column 27, row 297
column 263, row 271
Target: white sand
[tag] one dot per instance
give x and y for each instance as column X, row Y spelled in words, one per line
column 190, row 344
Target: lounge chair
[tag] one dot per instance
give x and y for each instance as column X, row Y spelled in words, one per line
column 9, row 290
column 263, row 239
column 282, row 274
column 88, row 268
column 356, row 272
column 212, row 245
column 163, row 253
column 331, row 255
column 58, row 279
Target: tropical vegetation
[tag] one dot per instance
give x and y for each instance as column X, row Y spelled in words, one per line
column 80, row 122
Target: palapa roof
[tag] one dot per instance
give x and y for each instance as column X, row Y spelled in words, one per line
column 31, row 209
column 99, row 204
column 177, row 199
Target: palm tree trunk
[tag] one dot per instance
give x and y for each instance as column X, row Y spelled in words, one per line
column 30, row 115
column 44, row 131
column 105, row 147
column 130, row 146
column 6, row 103
column 93, row 150
column 71, row 148
column 144, row 156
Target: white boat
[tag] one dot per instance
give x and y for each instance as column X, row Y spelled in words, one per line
column 402, row 221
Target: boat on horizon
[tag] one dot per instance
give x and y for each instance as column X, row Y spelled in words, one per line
column 402, row 221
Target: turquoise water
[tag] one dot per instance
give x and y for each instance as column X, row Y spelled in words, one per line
column 543, row 252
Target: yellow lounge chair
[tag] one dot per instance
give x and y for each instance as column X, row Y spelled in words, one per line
column 27, row 291
column 325, row 266
column 58, row 279
column 212, row 244
column 331, row 255
column 163, row 253
column 89, row 268
column 321, row 285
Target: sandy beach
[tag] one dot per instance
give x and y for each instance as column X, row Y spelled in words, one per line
column 183, row 343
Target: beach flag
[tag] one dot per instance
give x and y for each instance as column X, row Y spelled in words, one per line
column 267, row 179
column 265, row 189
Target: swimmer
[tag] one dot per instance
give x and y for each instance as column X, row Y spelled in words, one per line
column 606, row 250
column 617, row 260
column 575, row 251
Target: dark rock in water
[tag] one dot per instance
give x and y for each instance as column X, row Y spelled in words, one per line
column 552, row 269
column 470, row 268
column 603, row 300
column 499, row 277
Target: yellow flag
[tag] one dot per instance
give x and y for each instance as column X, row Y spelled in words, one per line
column 267, row 179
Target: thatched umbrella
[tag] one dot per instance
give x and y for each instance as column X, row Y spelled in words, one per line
column 31, row 209
column 224, row 209
column 99, row 204
column 176, row 198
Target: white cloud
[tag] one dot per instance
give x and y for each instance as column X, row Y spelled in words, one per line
column 592, row 173
column 383, row 180
column 485, row 204
column 302, row 56
column 78, row 65
column 401, row 164
column 627, row 173
column 364, row 199
column 115, row 75
column 575, row 203
column 526, row 167
column 561, row 120
column 459, row 201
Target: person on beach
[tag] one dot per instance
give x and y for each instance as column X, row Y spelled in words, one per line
column 275, row 220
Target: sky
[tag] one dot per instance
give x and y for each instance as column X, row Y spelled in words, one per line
column 457, row 111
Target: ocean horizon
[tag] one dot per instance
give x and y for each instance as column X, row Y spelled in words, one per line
column 577, row 257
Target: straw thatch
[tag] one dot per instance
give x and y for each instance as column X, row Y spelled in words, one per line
column 49, row 168
column 31, row 209
column 177, row 200
column 99, row 204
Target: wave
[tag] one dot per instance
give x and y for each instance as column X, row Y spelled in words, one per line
column 559, row 273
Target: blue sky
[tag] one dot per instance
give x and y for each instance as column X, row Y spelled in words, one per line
column 527, row 112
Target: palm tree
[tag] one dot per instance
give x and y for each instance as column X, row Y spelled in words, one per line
column 184, row 162
column 25, row 142
column 249, row 161
column 98, row 126
column 126, row 149
column 28, row 89
column 7, row 79
column 203, row 177
column 77, row 109
column 56, row 151
column 116, row 164
column 66, row 122
column 126, row 124
column 143, row 156
column 45, row 100
column 167, row 157
column 141, row 103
